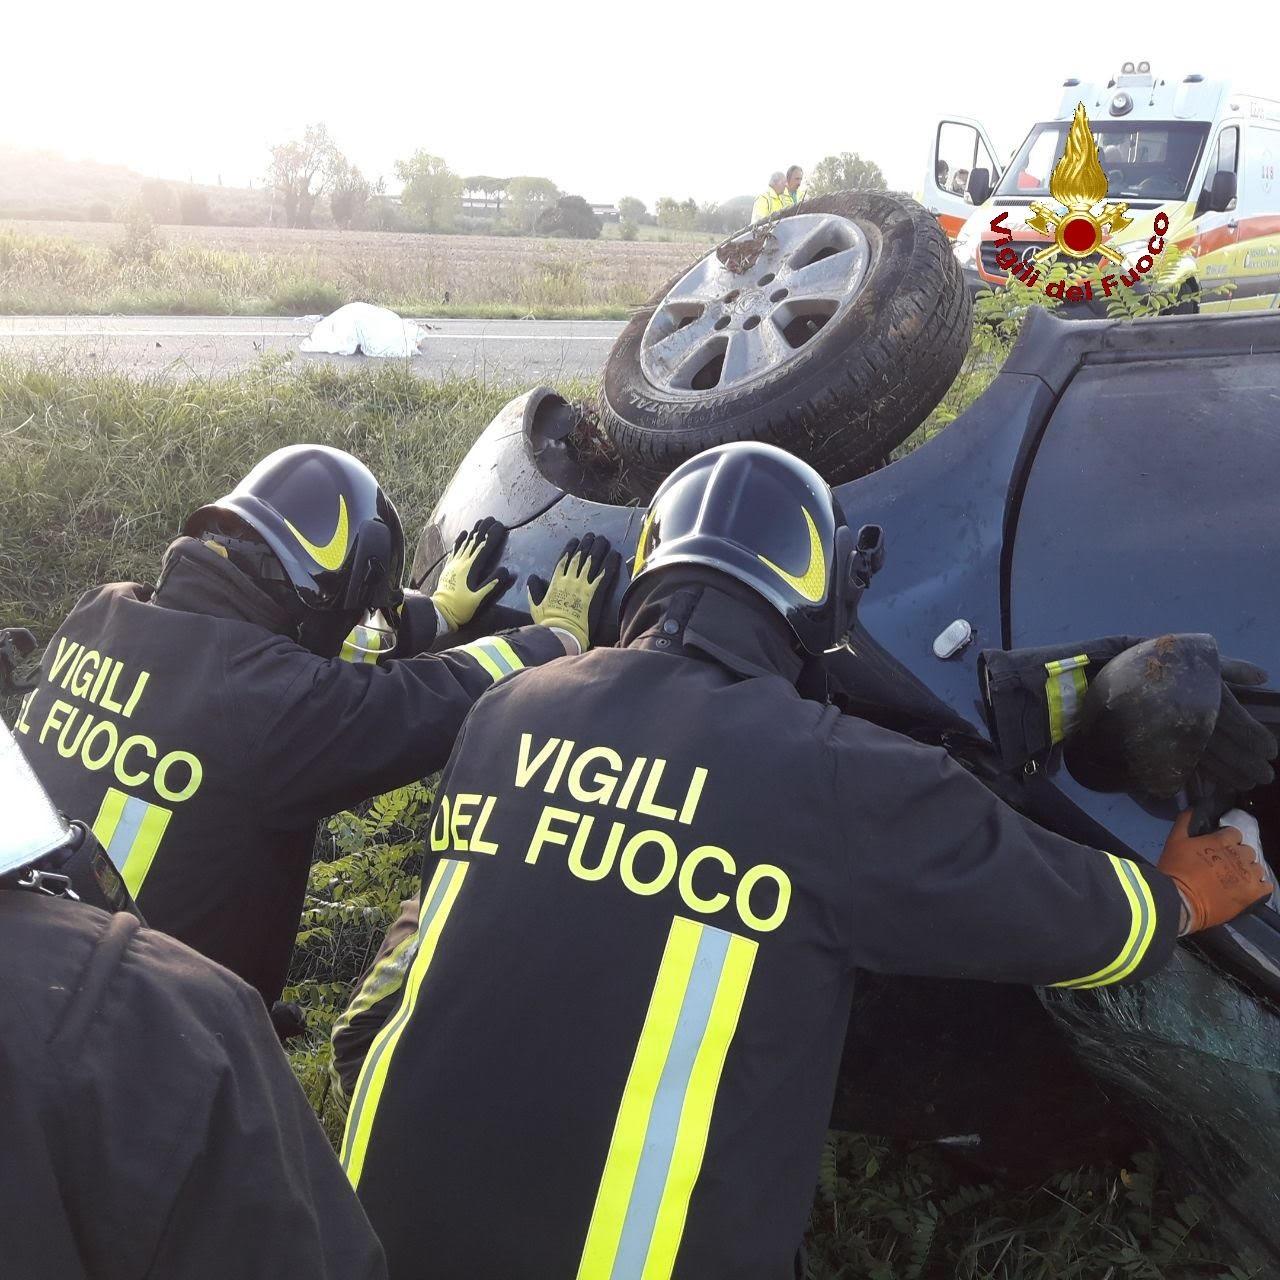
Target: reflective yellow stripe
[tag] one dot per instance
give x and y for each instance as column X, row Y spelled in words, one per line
column 384, row 981
column 1064, row 690
column 498, row 659
column 130, row 830
column 145, row 845
column 437, row 902
column 660, row 1135
column 363, row 644
column 1142, row 930
column 104, row 825
column 509, row 655
column 695, row 1119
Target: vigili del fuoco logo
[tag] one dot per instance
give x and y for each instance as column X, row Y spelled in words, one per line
column 1080, row 228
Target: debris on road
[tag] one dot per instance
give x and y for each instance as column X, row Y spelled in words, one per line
column 362, row 329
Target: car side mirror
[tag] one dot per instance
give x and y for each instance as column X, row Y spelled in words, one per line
column 979, row 186
column 1223, row 193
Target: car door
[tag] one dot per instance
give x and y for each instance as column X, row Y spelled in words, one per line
column 959, row 146
column 1257, row 265
column 1217, row 262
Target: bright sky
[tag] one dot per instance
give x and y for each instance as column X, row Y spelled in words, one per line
column 607, row 98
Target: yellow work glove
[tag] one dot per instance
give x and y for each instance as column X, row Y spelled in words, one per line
column 471, row 576
column 574, row 598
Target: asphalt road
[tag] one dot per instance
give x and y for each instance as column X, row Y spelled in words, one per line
column 203, row 346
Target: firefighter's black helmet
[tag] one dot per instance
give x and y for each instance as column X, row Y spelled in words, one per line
column 335, row 538
column 762, row 516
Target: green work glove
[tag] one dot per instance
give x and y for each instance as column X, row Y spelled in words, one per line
column 471, row 576
column 575, row 597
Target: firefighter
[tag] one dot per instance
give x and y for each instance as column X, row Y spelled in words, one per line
column 206, row 726
column 152, row 1125
column 771, row 200
column 614, row 1025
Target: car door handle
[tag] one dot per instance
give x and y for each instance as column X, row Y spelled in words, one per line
column 1233, row 224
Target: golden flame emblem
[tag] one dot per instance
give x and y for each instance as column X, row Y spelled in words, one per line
column 1079, row 185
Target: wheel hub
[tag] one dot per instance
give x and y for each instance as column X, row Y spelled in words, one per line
column 720, row 328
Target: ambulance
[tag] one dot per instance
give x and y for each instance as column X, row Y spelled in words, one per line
column 1199, row 150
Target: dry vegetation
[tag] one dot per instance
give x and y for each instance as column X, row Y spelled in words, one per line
column 93, row 268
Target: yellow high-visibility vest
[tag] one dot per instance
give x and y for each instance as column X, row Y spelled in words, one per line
column 766, row 205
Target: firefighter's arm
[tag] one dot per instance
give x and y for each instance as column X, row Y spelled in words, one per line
column 1034, row 695
column 948, row 881
column 376, row 997
column 342, row 732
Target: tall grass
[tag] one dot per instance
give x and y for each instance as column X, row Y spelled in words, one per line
column 97, row 471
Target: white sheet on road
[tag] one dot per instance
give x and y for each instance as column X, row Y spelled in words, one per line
column 360, row 328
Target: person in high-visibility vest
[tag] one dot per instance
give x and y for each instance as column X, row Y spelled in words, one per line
column 791, row 194
column 770, row 200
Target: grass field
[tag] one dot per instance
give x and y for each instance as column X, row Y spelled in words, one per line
column 65, row 268
column 96, row 474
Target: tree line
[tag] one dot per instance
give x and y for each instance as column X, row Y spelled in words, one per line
column 307, row 170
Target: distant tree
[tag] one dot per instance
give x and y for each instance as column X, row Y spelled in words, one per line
column 489, row 187
column 349, row 193
column 708, row 217
column 846, row 172
column 678, row 215
column 735, row 213
column 301, row 171
column 632, row 210
column 628, row 231
column 193, row 207
column 668, row 212
column 570, row 216
column 431, row 190
column 527, row 197
column 159, row 200
column 383, row 214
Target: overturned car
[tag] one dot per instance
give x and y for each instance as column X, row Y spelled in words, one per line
column 1114, row 480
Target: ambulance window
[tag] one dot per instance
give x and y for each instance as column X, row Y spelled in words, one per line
column 960, row 150
column 1037, row 164
column 1228, row 152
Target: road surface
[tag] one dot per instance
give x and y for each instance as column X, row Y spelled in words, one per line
column 528, row 351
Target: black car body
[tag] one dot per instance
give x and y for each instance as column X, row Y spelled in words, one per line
column 1115, row 478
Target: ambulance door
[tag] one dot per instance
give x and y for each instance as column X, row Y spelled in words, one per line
column 959, row 147
column 1258, row 215
column 1215, row 240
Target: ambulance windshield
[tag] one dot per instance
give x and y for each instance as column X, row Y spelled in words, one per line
column 1143, row 160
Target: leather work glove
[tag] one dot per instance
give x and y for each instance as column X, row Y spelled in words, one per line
column 1236, row 758
column 472, row 577
column 574, row 598
column 1218, row 875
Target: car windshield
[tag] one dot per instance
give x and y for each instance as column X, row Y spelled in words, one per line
column 1143, row 160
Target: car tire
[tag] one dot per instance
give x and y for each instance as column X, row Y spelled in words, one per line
column 839, row 390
